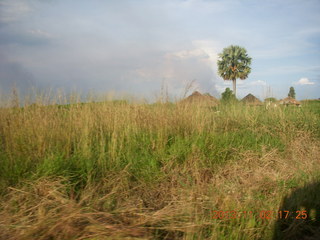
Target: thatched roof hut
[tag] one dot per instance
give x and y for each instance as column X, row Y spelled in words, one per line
column 289, row 101
column 200, row 99
column 251, row 100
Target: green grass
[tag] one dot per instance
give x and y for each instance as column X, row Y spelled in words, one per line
column 156, row 170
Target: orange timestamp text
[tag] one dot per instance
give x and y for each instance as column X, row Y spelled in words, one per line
column 263, row 214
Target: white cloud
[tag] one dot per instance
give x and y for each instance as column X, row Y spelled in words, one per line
column 210, row 48
column 258, row 83
column 244, row 83
column 188, row 54
column 304, row 81
column 291, row 69
column 220, row 88
column 40, row 33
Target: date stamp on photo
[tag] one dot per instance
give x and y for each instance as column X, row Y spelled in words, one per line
column 263, row 214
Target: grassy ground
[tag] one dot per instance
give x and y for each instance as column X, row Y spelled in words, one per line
column 114, row 170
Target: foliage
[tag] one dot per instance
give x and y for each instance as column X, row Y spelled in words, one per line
column 234, row 63
column 228, row 97
column 270, row 99
column 292, row 93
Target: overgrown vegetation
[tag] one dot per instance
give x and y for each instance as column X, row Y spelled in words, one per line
column 228, row 97
column 119, row 170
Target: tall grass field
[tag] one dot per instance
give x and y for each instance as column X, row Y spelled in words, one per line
column 119, row 170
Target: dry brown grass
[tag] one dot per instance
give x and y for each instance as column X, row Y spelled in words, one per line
column 176, row 208
column 137, row 171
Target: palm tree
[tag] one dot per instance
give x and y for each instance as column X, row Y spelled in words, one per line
column 234, row 63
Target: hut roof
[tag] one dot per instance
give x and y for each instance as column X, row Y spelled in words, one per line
column 201, row 99
column 251, row 100
column 290, row 101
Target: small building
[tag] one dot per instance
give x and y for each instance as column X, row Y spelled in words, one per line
column 290, row 101
column 251, row 100
column 197, row 98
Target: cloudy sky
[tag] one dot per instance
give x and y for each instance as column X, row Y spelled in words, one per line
column 137, row 46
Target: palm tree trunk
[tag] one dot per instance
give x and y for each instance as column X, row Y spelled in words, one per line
column 234, row 87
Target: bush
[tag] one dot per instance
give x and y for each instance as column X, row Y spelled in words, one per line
column 228, row 97
column 270, row 99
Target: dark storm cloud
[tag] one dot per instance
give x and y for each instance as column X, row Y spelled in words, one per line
column 135, row 46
